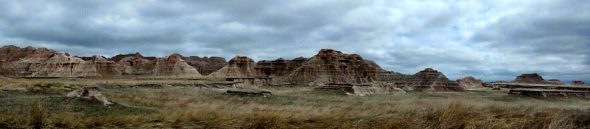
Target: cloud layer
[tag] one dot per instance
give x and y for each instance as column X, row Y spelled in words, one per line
column 491, row 40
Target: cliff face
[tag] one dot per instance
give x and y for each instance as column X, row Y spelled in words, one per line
column 279, row 67
column 104, row 67
column 577, row 82
column 205, row 65
column 13, row 53
column 62, row 65
column 330, row 66
column 42, row 62
column 15, row 61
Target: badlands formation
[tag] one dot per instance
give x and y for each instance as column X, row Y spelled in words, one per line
column 327, row 67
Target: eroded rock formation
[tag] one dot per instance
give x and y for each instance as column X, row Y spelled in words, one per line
column 239, row 66
column 577, row 82
column 328, row 66
column 470, row 82
column 331, row 66
column 279, row 69
column 42, row 62
column 174, row 65
column 11, row 56
column 532, row 78
column 206, row 65
column 135, row 64
column 429, row 80
column 103, row 66
column 13, row 53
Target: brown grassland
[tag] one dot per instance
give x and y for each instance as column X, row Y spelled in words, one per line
column 198, row 103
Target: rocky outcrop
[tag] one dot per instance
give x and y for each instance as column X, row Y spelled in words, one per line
column 578, row 82
column 103, row 66
column 206, row 65
column 470, row 82
column 532, row 78
column 61, row 65
column 138, row 65
column 331, row 66
column 41, row 62
column 428, row 80
column 174, row 65
column 239, row 66
column 11, row 56
column 135, row 64
column 279, row 67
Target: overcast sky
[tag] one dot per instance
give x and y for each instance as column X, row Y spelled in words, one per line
column 491, row 40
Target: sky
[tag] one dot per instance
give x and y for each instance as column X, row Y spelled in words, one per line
column 491, row 40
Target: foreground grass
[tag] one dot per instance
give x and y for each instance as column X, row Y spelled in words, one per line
column 291, row 107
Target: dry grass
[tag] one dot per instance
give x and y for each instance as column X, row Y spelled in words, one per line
column 294, row 107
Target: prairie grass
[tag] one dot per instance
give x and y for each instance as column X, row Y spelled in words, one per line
column 289, row 107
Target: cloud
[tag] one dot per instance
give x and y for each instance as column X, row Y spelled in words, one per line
column 549, row 38
column 491, row 40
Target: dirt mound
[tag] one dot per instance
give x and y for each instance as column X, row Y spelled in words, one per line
column 103, row 66
column 279, row 69
column 13, row 53
column 49, row 65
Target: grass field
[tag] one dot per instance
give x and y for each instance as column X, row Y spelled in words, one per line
column 197, row 103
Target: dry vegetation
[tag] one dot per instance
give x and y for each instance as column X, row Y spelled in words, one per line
column 196, row 106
